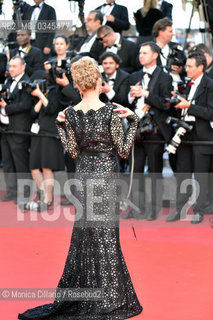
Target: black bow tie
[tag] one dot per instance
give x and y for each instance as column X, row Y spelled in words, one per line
column 36, row 6
column 148, row 74
column 107, row 79
column 10, row 81
column 21, row 51
column 108, row 4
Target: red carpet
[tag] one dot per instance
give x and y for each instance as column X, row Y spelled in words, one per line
column 171, row 264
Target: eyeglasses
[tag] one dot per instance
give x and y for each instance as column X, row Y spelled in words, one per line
column 101, row 38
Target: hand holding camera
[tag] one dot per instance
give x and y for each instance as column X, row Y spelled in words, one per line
column 63, row 82
column 40, row 95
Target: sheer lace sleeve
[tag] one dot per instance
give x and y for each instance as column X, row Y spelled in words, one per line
column 123, row 142
column 67, row 137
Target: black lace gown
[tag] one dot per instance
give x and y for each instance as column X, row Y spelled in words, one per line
column 95, row 259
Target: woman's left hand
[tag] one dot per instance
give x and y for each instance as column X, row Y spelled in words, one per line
column 124, row 112
column 61, row 116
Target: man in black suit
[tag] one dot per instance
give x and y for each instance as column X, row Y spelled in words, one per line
column 163, row 33
column 197, row 110
column 166, row 8
column 115, row 16
column 15, row 116
column 91, row 46
column 31, row 55
column 115, row 80
column 114, row 86
column 148, row 89
column 125, row 49
column 43, row 13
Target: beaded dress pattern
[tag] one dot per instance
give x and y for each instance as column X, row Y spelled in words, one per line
column 95, row 259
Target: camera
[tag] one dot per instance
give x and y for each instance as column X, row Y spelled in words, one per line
column 175, row 58
column 5, row 94
column 182, row 129
column 146, row 125
column 171, row 103
column 18, row 3
column 30, row 86
column 180, row 87
column 59, row 67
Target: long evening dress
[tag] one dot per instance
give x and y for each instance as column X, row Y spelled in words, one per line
column 95, row 259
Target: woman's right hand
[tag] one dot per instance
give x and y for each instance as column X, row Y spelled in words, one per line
column 123, row 112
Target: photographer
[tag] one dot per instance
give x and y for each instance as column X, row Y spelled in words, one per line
column 148, row 89
column 196, row 110
column 43, row 150
column 44, row 13
column 62, row 76
column 31, row 55
column 67, row 94
column 15, row 116
column 171, row 53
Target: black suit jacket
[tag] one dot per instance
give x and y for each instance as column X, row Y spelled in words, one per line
column 47, row 13
column 128, row 52
column 96, row 50
column 19, row 111
column 209, row 70
column 156, row 99
column 121, row 18
column 120, row 87
column 202, row 109
column 166, row 9
column 33, row 59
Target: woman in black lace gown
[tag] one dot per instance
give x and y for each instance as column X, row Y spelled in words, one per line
column 92, row 133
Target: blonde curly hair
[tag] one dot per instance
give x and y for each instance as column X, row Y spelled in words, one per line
column 85, row 73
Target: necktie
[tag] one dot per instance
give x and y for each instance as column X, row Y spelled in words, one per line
column 191, row 83
column 107, row 4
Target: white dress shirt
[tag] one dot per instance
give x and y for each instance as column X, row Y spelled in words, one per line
column 111, row 93
column 141, row 101
column 34, row 18
column 87, row 45
column 106, row 10
column 115, row 47
column 190, row 98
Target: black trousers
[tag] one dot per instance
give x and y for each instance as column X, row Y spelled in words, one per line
column 152, row 154
column 15, row 160
column 190, row 159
